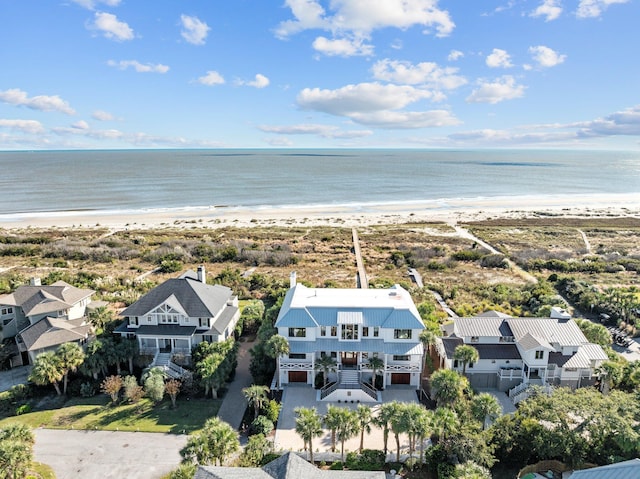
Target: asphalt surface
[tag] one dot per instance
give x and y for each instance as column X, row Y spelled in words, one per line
column 108, row 454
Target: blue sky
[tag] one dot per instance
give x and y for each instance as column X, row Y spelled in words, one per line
column 319, row 73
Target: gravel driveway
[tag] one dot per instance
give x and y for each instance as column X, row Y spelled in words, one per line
column 108, row 454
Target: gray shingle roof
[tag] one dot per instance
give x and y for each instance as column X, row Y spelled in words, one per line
column 196, row 298
column 223, row 320
column 52, row 332
column 45, row 299
column 485, row 351
column 287, row 466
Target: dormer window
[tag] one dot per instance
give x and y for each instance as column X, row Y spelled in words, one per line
column 540, row 354
column 475, row 339
column 349, row 332
column 402, row 334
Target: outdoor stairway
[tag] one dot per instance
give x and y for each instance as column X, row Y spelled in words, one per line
column 163, row 361
column 350, row 379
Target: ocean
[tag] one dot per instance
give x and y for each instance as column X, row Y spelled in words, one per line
column 47, row 182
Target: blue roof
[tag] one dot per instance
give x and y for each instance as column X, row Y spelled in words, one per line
column 296, row 318
column 403, row 319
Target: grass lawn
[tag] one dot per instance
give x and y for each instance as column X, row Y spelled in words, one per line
column 41, row 471
column 96, row 413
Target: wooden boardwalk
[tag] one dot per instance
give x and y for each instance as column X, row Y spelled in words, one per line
column 361, row 276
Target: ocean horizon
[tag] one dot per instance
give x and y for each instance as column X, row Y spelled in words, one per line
column 101, row 182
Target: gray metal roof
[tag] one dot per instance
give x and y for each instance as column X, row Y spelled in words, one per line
column 482, row 326
column 622, row 470
column 287, row 466
column 564, row 332
column 197, row 299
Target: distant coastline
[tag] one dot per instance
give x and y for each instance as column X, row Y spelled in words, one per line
column 448, row 210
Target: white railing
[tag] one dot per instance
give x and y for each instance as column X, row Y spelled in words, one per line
column 296, row 364
column 403, row 367
column 508, row 373
column 546, row 389
column 518, row 389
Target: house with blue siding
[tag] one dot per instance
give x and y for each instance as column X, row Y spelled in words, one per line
column 351, row 326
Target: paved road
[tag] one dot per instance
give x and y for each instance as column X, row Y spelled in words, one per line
column 108, row 454
column 14, row 376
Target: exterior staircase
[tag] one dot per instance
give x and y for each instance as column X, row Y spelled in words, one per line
column 163, row 361
column 350, row 379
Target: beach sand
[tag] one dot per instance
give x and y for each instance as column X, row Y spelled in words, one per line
column 450, row 211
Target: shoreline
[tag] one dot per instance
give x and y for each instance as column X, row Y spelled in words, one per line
column 449, row 210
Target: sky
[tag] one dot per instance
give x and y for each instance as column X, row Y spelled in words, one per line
column 103, row 74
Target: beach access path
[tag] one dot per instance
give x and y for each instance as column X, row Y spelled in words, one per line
column 234, row 403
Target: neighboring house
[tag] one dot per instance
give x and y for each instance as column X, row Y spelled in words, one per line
column 180, row 313
column 351, row 326
column 43, row 317
column 621, row 470
column 513, row 351
column 287, row 466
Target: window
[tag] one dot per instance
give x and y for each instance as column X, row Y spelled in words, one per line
column 364, row 356
column 133, row 320
column 402, row 334
column 204, row 322
column 323, row 330
column 207, row 337
column 167, row 318
column 6, row 321
column 506, row 339
column 539, row 354
column 401, row 357
column 349, row 332
column 365, row 331
column 297, row 332
column 455, row 363
column 334, row 331
column 475, row 339
column 376, row 331
column 4, row 311
column 297, row 356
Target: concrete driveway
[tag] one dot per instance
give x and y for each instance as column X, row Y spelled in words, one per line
column 108, row 454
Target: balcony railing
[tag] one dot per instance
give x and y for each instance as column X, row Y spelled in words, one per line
column 296, row 364
column 510, row 373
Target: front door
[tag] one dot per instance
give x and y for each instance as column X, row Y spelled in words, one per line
column 349, row 359
column 165, row 345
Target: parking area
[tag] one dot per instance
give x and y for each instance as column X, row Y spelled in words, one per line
column 304, row 396
column 108, row 454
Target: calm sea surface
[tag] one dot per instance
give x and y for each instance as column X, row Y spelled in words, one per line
column 133, row 180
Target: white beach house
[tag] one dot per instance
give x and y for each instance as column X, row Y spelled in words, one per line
column 351, row 326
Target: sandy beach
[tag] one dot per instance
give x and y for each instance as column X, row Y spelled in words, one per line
column 449, row 211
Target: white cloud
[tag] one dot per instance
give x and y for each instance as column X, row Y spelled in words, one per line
column 80, row 125
column 102, row 115
column 358, row 19
column 625, row 122
column 426, row 73
column 343, row 47
column 324, row 131
column 139, row 67
column 25, row 126
column 91, row 4
column 503, row 88
column 546, row 57
column 260, row 81
column 194, row 30
column 211, row 78
column 499, row 59
column 594, row 8
column 15, row 96
column 374, row 104
column 111, row 27
column 550, row 9
column 455, row 55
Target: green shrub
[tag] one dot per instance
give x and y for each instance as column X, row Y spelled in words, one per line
column 467, row 255
column 24, row 409
column 87, row 390
column 262, row 425
column 170, row 266
column 272, row 410
column 336, row 466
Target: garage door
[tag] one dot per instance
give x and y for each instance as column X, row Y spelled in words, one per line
column 297, row 376
column 401, row 378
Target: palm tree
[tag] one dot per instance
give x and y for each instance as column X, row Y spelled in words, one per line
column 211, row 445
column 46, row 370
column 376, row 364
column 428, row 339
column 447, row 386
column 485, row 406
column 70, row 356
column 129, row 349
column 16, row 450
column 209, row 374
column 364, row 422
column 425, row 429
column 413, row 424
column 445, row 422
column 466, row 354
column 327, row 365
column 308, row 426
column 256, row 396
column 383, row 420
column 94, row 361
column 332, row 421
column 347, row 428
column 276, row 347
